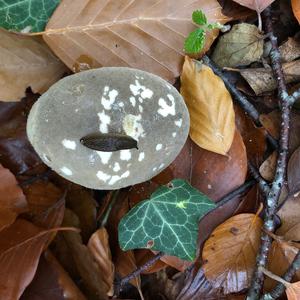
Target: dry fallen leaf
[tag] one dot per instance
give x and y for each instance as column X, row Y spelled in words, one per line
column 241, row 46
column 26, row 62
column 268, row 168
column 296, row 9
column 21, row 245
column 51, row 282
column 293, row 289
column 143, row 34
column 12, row 199
column 290, row 50
column 99, row 247
column 210, row 106
column 293, row 172
column 89, row 270
column 258, row 5
column 261, row 80
column 230, row 252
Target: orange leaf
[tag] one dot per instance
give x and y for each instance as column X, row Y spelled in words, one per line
column 229, row 254
column 296, row 9
column 210, row 106
column 143, row 34
column 99, row 247
column 12, row 199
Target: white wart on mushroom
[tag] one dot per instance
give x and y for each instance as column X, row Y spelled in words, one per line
column 109, row 100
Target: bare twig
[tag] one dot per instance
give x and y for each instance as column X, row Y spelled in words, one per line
column 287, row 277
column 295, row 96
column 263, row 185
column 242, row 100
column 140, row 269
column 273, row 196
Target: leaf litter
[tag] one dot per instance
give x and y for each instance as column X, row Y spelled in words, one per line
column 205, row 201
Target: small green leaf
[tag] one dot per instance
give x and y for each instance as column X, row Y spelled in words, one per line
column 195, row 41
column 166, row 222
column 21, row 15
column 199, row 17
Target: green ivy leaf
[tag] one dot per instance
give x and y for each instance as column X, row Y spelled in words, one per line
column 18, row 15
column 195, row 41
column 199, row 17
column 166, row 222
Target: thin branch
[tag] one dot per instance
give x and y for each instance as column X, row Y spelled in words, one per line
column 242, row 100
column 295, row 96
column 263, row 185
column 140, row 269
column 273, row 196
column 287, row 277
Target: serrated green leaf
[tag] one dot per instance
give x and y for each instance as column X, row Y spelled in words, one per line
column 195, row 41
column 21, row 15
column 166, row 222
column 199, row 17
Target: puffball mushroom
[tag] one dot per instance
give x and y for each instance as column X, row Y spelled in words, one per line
column 109, row 102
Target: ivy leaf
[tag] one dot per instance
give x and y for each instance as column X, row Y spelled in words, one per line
column 166, row 222
column 199, row 17
column 26, row 14
column 195, row 41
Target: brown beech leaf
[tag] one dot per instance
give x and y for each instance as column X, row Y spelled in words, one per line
column 142, row 256
column 261, row 80
column 296, row 9
column 293, row 289
column 143, row 34
column 17, row 153
column 81, row 201
column 99, row 247
column 293, row 172
column 51, row 282
column 229, row 254
column 89, row 270
column 210, row 107
column 258, row 5
column 272, row 123
column 12, row 199
column 253, row 137
column 290, row 50
column 26, row 62
column 21, row 245
column 268, row 167
column 280, row 258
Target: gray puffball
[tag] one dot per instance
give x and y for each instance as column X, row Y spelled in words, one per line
column 119, row 101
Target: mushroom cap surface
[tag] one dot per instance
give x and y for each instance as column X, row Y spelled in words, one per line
column 109, row 101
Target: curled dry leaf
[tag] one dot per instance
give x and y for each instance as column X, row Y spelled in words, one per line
column 293, row 172
column 258, row 5
column 210, row 106
column 26, row 62
column 229, row 254
column 21, row 245
column 12, row 199
column 89, row 270
column 290, row 50
column 296, row 9
column 262, row 80
column 241, row 46
column 99, row 247
column 143, row 34
column 51, row 282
